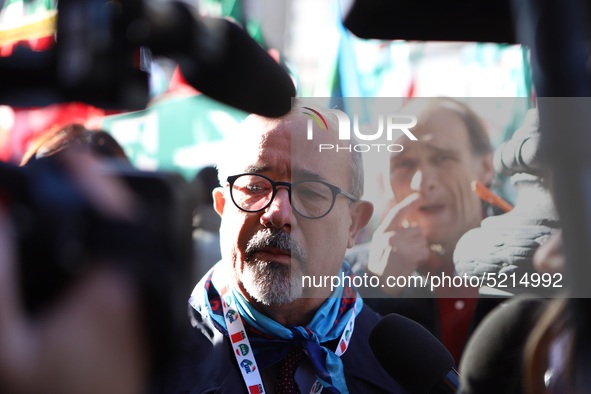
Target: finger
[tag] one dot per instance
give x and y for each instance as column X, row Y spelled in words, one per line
column 407, row 224
column 415, row 249
column 378, row 260
column 431, row 262
column 398, row 239
column 409, row 243
column 395, row 218
column 437, row 249
column 409, row 232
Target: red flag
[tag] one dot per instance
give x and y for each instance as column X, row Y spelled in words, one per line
column 256, row 389
column 237, row 337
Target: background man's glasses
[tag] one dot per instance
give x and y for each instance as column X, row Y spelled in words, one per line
column 311, row 199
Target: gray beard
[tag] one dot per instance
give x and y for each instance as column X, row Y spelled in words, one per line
column 270, row 282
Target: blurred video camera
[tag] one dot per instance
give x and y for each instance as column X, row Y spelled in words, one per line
column 61, row 235
column 104, row 49
column 101, row 57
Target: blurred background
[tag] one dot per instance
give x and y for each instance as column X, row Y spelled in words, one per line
column 180, row 127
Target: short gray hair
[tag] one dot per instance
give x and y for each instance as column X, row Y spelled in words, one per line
column 230, row 146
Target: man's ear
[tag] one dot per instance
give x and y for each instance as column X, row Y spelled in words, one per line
column 486, row 169
column 361, row 212
column 219, row 200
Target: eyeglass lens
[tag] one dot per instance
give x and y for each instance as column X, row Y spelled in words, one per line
column 308, row 198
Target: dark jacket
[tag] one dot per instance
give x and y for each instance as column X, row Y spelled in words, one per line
column 209, row 366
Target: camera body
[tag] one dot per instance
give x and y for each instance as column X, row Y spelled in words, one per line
column 61, row 236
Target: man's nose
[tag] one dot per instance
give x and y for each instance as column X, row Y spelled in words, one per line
column 423, row 180
column 279, row 213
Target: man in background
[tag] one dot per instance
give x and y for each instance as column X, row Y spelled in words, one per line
column 434, row 206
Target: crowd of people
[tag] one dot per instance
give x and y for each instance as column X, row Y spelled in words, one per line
column 288, row 211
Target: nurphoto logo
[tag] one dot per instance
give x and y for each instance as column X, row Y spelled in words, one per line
column 389, row 127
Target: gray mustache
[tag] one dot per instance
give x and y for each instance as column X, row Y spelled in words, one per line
column 276, row 239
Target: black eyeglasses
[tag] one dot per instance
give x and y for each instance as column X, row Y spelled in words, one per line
column 311, row 199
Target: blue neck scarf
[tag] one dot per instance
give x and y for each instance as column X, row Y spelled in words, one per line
column 328, row 324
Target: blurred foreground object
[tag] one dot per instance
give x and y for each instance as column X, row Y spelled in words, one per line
column 506, row 243
column 91, row 342
column 432, row 20
column 63, row 235
column 104, row 49
column 557, row 34
column 494, row 356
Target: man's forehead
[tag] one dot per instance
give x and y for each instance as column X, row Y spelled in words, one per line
column 256, row 126
column 440, row 130
column 293, row 172
column 256, row 131
column 434, row 142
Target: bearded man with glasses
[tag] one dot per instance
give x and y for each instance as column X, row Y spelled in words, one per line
column 288, row 211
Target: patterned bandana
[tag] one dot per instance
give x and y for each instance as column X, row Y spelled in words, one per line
column 328, row 324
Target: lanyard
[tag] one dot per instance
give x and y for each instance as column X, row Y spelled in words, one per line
column 245, row 355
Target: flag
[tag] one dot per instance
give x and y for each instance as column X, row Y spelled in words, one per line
column 237, row 337
column 256, row 389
